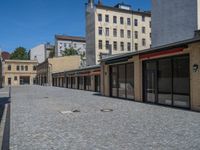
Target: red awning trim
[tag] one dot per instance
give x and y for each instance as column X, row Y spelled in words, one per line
column 164, row 52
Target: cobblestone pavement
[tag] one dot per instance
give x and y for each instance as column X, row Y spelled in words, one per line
column 37, row 124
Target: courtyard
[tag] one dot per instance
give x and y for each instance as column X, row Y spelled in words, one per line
column 42, row 118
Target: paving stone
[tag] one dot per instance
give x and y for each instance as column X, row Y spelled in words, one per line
column 37, row 124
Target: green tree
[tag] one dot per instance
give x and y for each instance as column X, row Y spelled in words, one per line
column 20, row 53
column 69, row 52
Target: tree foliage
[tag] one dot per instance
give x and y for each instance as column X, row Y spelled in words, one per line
column 69, row 52
column 20, row 53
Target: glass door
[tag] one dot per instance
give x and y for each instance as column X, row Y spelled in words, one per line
column 150, row 81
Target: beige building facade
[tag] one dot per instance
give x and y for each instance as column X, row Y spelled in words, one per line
column 19, row 72
column 115, row 30
column 168, row 75
column 53, row 65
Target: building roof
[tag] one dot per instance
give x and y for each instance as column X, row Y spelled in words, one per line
column 145, row 13
column 20, row 61
column 150, row 50
column 80, row 69
column 70, row 38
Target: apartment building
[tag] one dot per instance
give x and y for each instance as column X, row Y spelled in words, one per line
column 41, row 52
column 174, row 20
column 115, row 30
column 19, row 72
column 62, row 42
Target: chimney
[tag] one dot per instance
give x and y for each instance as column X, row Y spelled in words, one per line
column 91, row 3
column 100, row 2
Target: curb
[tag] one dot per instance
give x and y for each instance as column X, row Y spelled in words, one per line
column 2, row 125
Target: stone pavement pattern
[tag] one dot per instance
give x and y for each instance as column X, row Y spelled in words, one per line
column 37, row 124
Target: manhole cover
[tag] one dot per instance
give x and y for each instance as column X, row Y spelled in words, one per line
column 106, row 110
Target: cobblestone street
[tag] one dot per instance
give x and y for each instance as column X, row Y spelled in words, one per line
column 38, row 124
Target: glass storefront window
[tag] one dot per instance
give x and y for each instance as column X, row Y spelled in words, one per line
column 130, row 81
column 165, row 81
column 122, row 81
column 114, row 81
column 181, row 87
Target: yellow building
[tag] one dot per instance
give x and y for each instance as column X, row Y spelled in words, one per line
column 54, row 65
column 19, row 72
column 115, row 30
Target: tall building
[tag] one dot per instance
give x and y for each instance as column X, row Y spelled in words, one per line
column 41, row 52
column 174, row 20
column 62, row 42
column 114, row 30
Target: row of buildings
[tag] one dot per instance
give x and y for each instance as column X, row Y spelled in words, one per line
column 134, row 56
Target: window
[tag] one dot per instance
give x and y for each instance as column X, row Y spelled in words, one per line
column 9, row 67
column 121, row 20
column 75, row 45
column 100, row 17
column 143, row 30
column 100, row 44
column 128, row 21
column 100, row 31
column 136, row 22
column 34, row 68
column 150, row 35
column 65, row 45
column 107, row 18
column 129, row 34
column 107, row 45
column 107, row 31
column 17, row 68
column 115, row 45
column 122, row 46
column 115, row 32
column 143, row 18
column 129, row 46
column 150, row 24
column 136, row 46
column 143, row 42
column 122, row 33
column 136, row 34
column 114, row 19
column 26, row 68
column 15, row 78
column 22, row 68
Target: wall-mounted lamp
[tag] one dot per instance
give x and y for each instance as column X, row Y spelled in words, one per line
column 195, row 67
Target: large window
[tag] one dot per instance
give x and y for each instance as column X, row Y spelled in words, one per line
column 122, row 81
column 167, row 81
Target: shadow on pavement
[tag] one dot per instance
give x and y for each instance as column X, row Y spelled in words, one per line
column 6, row 129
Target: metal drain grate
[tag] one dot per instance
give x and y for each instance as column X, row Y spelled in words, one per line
column 106, row 110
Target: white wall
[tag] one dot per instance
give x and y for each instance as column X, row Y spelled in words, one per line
column 61, row 45
column 38, row 53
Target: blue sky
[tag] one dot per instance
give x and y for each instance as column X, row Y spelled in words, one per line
column 30, row 22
